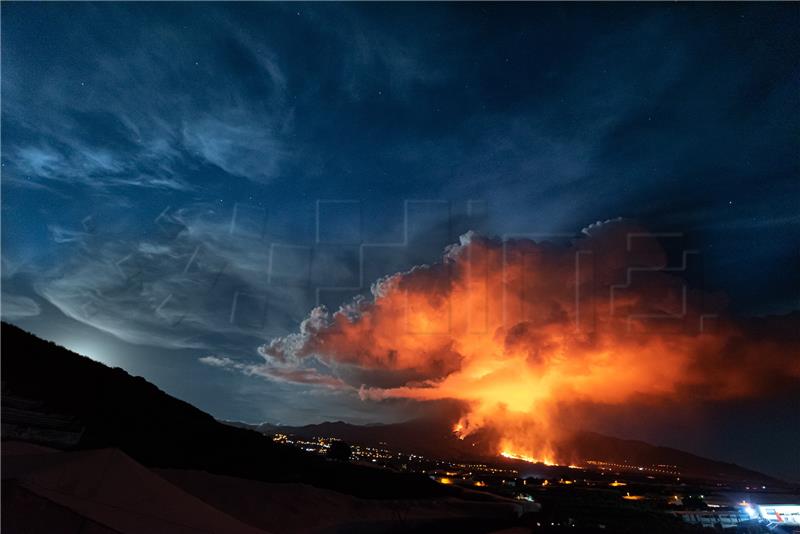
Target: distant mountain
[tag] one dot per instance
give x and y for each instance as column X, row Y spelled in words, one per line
column 55, row 397
column 590, row 445
column 433, row 438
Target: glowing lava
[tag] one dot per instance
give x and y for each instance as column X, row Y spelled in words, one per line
column 524, row 458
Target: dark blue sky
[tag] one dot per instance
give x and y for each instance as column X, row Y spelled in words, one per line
column 186, row 180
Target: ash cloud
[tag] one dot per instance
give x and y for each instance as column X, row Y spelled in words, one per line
column 516, row 330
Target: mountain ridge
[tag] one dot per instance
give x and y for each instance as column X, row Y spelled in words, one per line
column 419, row 435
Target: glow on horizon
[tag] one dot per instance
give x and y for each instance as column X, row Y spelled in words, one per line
column 91, row 349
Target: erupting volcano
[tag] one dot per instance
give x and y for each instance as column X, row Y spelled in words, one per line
column 526, row 334
column 334, row 267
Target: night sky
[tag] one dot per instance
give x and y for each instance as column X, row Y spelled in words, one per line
column 184, row 182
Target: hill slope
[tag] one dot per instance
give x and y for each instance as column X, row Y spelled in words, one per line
column 56, row 397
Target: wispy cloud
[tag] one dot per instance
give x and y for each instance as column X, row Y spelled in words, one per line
column 144, row 116
column 237, row 146
column 309, row 376
column 18, row 307
column 190, row 280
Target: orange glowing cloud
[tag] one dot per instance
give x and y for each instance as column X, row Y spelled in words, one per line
column 517, row 329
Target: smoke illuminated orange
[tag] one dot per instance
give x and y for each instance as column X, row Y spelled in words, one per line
column 518, row 330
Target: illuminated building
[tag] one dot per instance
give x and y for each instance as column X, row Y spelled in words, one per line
column 780, row 513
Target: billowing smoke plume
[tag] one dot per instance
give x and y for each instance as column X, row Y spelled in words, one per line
column 517, row 330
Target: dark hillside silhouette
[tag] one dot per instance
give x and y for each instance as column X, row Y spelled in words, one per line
column 94, row 406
